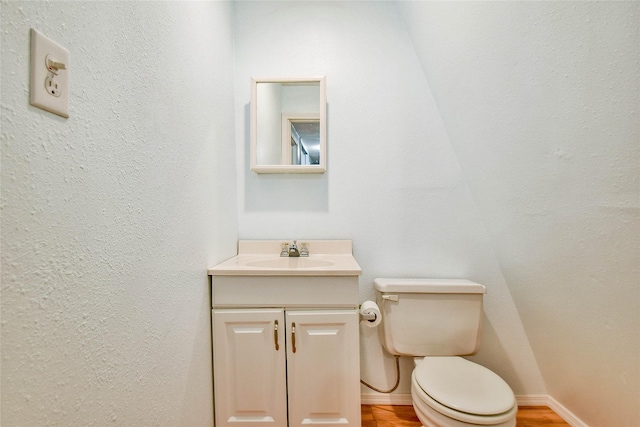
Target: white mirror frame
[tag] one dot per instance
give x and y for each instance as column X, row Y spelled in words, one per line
column 286, row 168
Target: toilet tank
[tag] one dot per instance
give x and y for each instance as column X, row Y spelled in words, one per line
column 430, row 317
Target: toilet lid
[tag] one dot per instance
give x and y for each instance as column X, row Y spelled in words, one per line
column 464, row 386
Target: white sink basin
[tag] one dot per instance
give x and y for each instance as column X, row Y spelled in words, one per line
column 293, row 262
column 262, row 258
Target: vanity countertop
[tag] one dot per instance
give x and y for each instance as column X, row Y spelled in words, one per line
column 262, row 258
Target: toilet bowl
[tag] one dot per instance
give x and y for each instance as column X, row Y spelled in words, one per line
column 440, row 320
column 455, row 392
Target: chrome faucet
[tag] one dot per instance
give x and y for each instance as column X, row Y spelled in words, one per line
column 291, row 249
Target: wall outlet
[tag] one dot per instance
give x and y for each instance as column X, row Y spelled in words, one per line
column 52, row 86
column 49, row 75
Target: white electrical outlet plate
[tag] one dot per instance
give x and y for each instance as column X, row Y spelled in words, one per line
column 49, row 75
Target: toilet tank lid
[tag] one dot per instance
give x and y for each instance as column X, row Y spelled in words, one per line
column 434, row 286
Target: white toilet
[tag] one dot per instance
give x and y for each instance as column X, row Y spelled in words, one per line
column 436, row 321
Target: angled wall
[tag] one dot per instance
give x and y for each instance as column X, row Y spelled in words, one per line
column 540, row 101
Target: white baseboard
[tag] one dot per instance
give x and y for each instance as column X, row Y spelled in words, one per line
column 523, row 400
column 385, row 399
column 557, row 407
column 566, row 414
column 533, row 400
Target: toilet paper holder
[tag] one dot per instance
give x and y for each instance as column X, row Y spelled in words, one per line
column 371, row 317
column 370, row 314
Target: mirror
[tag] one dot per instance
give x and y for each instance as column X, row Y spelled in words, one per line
column 288, row 125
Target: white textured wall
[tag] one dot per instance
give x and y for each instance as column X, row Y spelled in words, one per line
column 110, row 218
column 540, row 101
column 514, row 163
column 394, row 184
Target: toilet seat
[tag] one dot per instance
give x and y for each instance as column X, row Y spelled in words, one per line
column 463, row 390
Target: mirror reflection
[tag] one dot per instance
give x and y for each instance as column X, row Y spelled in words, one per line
column 303, row 137
column 288, row 126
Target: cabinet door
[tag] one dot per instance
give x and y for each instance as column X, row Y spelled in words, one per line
column 323, row 367
column 249, row 372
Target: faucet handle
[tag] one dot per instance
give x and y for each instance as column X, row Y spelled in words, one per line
column 304, row 249
column 284, row 249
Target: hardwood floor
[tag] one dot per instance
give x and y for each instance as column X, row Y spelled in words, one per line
column 388, row 416
column 403, row 416
column 532, row 416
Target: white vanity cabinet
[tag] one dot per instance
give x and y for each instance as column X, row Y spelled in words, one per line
column 286, row 337
column 279, row 367
column 323, row 374
column 249, row 378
